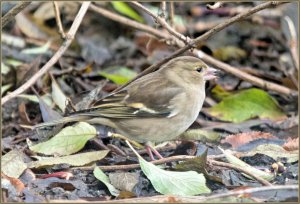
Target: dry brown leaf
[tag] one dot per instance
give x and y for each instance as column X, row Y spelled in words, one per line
column 17, row 183
column 291, row 144
column 246, row 137
column 23, row 114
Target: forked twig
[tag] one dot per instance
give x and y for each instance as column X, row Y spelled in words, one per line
column 58, row 20
column 69, row 37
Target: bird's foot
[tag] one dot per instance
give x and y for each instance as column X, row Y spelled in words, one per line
column 151, row 149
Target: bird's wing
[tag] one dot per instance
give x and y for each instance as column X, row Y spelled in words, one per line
column 146, row 97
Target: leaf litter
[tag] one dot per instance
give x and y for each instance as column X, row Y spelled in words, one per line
column 106, row 44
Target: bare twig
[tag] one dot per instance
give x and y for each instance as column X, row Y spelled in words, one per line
column 55, row 57
column 13, row 12
column 235, row 71
column 241, row 169
column 135, row 166
column 162, row 22
column 215, row 6
column 58, row 20
column 116, row 150
column 163, row 10
column 247, row 77
column 129, row 22
column 293, row 42
column 180, row 158
column 171, row 13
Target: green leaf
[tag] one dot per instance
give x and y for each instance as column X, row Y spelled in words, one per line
column 73, row 160
column 174, row 183
column 69, row 140
column 229, row 53
column 100, row 175
column 5, row 88
column 37, row 50
column 13, row 62
column 234, row 160
column 197, row 164
column 219, row 93
column 12, row 164
column 58, row 96
column 201, row 135
column 119, row 75
column 247, row 104
column 126, row 10
column 46, row 98
column 4, row 68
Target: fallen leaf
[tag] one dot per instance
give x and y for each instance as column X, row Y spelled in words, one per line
column 46, row 98
column 12, row 164
column 58, row 96
column 29, row 28
column 172, row 182
column 291, row 144
column 48, row 114
column 220, row 93
column 245, row 137
column 201, row 135
column 247, row 104
column 38, row 50
column 276, row 152
column 17, row 183
column 73, row 160
column 5, row 88
column 100, row 175
column 229, row 53
column 4, row 68
column 23, row 114
column 69, row 140
column 197, row 164
column 124, row 181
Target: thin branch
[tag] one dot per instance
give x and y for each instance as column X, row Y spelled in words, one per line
column 171, row 13
column 129, row 22
column 13, row 12
column 136, row 166
column 163, row 10
column 245, row 76
column 58, row 20
column 162, row 22
column 293, row 41
column 241, row 169
column 55, row 57
column 232, row 70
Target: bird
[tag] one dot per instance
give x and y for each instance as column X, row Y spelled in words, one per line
column 154, row 108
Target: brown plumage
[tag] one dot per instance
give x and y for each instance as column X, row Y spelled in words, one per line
column 156, row 107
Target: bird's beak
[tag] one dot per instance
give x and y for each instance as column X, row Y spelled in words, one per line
column 210, row 73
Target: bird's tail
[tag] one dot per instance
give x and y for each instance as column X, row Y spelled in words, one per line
column 64, row 120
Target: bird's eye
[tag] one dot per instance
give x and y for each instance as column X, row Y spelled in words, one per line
column 199, row 69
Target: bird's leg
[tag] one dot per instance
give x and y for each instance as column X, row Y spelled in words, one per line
column 156, row 153
column 150, row 149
